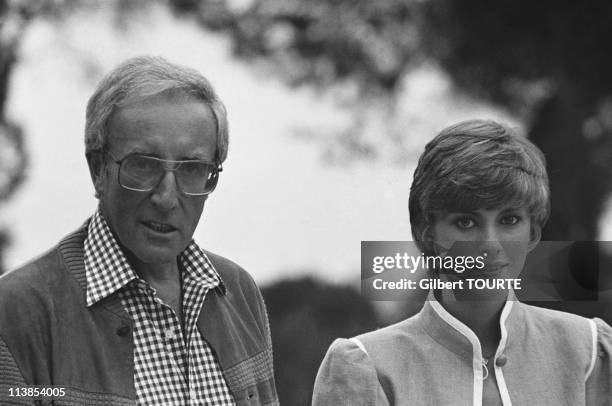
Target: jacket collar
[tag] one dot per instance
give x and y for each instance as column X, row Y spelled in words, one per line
column 72, row 254
column 459, row 338
column 107, row 269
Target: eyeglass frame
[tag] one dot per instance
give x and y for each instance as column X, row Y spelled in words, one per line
column 119, row 162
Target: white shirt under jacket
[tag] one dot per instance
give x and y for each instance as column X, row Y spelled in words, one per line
column 544, row 357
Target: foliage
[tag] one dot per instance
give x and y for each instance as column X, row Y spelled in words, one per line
column 546, row 61
column 305, row 317
column 15, row 18
column 357, row 50
column 497, row 49
column 321, row 42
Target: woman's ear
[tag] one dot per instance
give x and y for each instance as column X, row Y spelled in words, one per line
column 429, row 241
column 95, row 161
column 427, row 238
column 536, row 234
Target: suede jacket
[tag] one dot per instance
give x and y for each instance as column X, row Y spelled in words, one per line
column 49, row 338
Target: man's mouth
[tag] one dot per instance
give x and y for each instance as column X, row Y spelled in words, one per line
column 159, row 227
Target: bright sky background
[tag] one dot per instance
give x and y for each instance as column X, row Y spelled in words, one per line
column 279, row 210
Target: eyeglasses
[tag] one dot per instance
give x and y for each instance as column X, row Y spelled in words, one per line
column 142, row 173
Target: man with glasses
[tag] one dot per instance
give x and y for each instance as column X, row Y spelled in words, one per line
column 129, row 309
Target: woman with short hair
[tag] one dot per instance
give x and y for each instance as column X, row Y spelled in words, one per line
column 479, row 186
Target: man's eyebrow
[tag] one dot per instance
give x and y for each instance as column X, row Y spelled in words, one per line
column 197, row 157
column 138, row 151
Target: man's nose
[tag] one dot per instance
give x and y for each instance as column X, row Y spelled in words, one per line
column 165, row 195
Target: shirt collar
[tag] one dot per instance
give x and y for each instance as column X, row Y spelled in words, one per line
column 107, row 270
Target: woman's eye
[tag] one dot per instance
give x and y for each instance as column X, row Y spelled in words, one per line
column 510, row 220
column 465, row 222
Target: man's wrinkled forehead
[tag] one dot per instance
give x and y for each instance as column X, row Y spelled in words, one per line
column 148, row 125
column 148, row 95
column 143, row 103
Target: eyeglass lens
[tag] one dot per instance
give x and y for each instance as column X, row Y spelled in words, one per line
column 138, row 172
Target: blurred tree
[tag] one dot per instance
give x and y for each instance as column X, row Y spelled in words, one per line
column 320, row 42
column 549, row 62
column 360, row 49
column 546, row 62
column 305, row 317
column 15, row 18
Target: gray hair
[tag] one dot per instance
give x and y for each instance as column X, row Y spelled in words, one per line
column 141, row 78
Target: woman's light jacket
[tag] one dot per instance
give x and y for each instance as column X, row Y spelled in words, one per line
column 544, row 357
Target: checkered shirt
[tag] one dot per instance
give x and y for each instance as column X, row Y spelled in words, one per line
column 170, row 368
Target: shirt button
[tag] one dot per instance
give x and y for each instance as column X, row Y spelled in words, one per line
column 501, row 361
column 192, row 395
column 169, row 334
column 123, row 331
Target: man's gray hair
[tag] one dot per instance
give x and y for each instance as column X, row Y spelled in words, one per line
column 141, row 78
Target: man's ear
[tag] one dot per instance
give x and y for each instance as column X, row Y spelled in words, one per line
column 536, row 235
column 95, row 161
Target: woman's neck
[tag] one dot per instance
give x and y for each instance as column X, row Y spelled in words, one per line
column 481, row 316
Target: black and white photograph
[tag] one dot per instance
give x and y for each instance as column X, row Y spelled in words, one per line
column 326, row 203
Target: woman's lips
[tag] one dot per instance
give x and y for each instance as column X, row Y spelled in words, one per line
column 494, row 267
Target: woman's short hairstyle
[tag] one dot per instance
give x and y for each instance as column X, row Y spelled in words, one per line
column 477, row 164
column 142, row 78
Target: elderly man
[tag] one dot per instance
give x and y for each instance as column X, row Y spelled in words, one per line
column 129, row 309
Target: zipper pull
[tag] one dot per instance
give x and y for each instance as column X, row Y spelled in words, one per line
column 486, row 370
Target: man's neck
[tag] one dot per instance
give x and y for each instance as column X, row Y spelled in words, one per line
column 154, row 273
column 167, row 282
column 158, row 273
